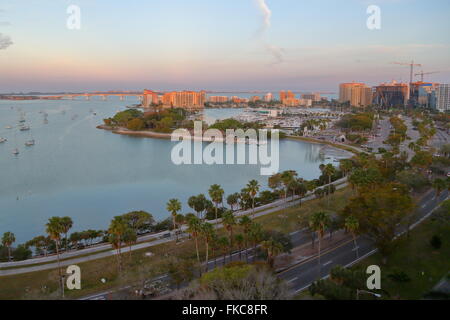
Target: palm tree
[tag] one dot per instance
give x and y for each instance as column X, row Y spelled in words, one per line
column 319, row 222
column 329, row 170
column 194, row 228
column 273, row 248
column 233, row 199
column 117, row 229
column 439, row 185
column 229, row 221
column 216, row 194
column 253, row 189
column 66, row 223
column 54, row 229
column 286, row 178
column 346, row 165
column 7, row 240
column 173, row 206
column 352, row 225
column 255, row 234
column 198, row 203
column 130, row 238
column 239, row 238
column 207, row 232
column 224, row 244
column 246, row 223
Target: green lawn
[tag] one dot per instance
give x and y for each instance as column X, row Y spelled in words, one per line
column 423, row 264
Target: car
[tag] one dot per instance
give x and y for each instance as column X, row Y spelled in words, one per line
column 448, row 174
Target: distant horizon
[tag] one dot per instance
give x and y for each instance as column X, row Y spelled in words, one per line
column 220, row 46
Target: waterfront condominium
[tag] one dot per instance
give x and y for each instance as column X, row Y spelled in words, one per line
column 176, row 99
column 357, row 94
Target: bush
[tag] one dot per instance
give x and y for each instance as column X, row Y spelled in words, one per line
column 436, row 242
column 399, row 276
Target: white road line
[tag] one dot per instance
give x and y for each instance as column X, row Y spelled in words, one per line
column 292, row 280
column 327, row 263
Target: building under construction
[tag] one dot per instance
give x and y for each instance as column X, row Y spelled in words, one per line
column 388, row 95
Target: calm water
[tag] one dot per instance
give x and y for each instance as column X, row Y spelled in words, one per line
column 92, row 175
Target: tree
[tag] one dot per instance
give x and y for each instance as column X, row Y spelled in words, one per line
column 194, row 228
column 229, row 221
column 66, row 224
column 352, row 225
column 198, row 203
column 439, row 185
column 329, row 171
column 7, row 240
column 130, row 238
column 239, row 239
column 273, row 248
column 54, row 229
column 139, row 220
column 117, row 229
column 255, row 235
column 238, row 282
column 346, row 166
column 207, row 232
column 174, row 206
column 253, row 189
column 224, row 245
column 286, row 179
column 380, row 211
column 319, row 221
column 245, row 222
column 216, row 194
column 233, row 199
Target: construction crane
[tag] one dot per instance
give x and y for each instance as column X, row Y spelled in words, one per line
column 412, row 65
column 421, row 74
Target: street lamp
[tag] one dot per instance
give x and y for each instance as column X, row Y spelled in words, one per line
column 368, row 292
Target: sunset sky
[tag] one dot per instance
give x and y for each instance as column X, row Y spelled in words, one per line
column 218, row 45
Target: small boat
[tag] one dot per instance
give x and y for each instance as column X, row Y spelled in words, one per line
column 8, row 127
column 16, row 151
column 24, row 128
column 3, row 140
column 29, row 143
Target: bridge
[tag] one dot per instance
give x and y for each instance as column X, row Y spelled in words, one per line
column 103, row 95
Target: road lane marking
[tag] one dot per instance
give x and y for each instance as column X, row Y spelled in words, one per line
column 327, row 263
column 292, row 280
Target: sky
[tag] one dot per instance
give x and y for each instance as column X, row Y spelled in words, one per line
column 232, row 45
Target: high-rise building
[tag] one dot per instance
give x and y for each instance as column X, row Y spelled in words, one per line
column 355, row 93
column 218, row 99
column 315, row 97
column 392, row 94
column 361, row 96
column 345, row 91
column 184, row 99
column 288, row 98
column 149, row 97
column 268, row 97
column 443, row 97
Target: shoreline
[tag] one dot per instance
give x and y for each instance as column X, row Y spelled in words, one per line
column 167, row 136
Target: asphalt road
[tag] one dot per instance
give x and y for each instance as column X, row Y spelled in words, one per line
column 90, row 254
column 302, row 275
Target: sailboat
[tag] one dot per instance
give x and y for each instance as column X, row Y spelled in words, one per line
column 24, row 128
column 30, row 143
column 16, row 151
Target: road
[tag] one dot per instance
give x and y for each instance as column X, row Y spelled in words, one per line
column 89, row 254
column 302, row 275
